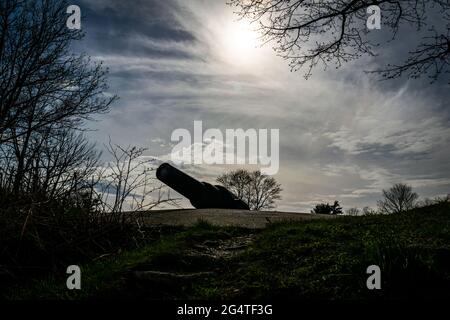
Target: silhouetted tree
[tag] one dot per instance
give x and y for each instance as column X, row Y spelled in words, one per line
column 309, row 32
column 258, row 190
column 128, row 182
column 368, row 211
column 41, row 83
column 353, row 212
column 54, row 163
column 45, row 93
column 398, row 198
column 326, row 208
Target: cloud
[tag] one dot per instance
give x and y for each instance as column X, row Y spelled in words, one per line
column 393, row 124
column 343, row 135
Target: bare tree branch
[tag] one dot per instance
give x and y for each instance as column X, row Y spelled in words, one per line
column 308, row 33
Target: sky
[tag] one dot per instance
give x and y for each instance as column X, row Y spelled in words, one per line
column 344, row 135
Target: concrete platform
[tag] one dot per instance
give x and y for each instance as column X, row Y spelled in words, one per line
column 225, row 217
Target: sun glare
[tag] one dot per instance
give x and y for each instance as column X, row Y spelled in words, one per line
column 240, row 42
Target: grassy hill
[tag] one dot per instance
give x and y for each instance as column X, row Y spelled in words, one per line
column 315, row 259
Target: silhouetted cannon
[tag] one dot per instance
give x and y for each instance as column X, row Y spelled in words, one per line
column 200, row 194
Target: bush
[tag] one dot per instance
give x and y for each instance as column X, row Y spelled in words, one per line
column 39, row 236
column 326, row 208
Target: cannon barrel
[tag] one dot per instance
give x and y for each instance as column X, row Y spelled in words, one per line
column 200, row 194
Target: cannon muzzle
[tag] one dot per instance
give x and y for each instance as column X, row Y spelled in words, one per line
column 200, row 194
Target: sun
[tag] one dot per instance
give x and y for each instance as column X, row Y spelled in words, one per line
column 240, row 42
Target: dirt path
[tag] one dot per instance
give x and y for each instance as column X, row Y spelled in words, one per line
column 225, row 217
column 193, row 268
column 200, row 263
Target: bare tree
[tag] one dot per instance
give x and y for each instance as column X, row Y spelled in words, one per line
column 128, row 181
column 239, row 183
column 54, row 164
column 258, row 190
column 397, row 199
column 427, row 202
column 41, row 83
column 368, row 211
column 353, row 212
column 45, row 93
column 62, row 164
column 310, row 32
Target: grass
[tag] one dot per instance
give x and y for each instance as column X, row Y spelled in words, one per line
column 317, row 259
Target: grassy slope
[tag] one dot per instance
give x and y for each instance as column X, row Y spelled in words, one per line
column 324, row 259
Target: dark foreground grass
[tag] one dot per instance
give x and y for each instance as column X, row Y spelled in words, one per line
column 318, row 259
